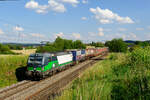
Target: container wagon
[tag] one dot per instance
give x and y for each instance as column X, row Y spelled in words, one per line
column 78, row 55
column 89, row 53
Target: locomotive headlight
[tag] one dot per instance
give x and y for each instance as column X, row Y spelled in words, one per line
column 42, row 68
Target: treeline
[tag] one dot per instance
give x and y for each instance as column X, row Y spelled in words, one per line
column 96, row 44
column 4, row 49
column 115, row 45
column 61, row 44
column 139, row 43
column 15, row 47
column 118, row 45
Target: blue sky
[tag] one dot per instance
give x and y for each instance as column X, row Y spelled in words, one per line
column 32, row 21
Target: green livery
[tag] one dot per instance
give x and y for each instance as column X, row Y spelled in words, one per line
column 40, row 65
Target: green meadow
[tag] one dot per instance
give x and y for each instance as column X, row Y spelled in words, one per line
column 10, row 66
column 122, row 76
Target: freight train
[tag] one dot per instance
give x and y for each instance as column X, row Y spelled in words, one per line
column 40, row 65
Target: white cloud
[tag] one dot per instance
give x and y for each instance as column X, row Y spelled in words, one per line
column 52, row 5
column 18, row 28
column 105, row 21
column 101, row 34
column 37, row 35
column 56, row 6
column 76, row 35
column 148, row 27
column 133, row 35
column 83, row 18
column 106, row 16
column 32, row 4
column 122, row 29
column 84, row 1
column 23, row 35
column 128, row 36
column 92, row 34
column 139, row 29
column 60, row 34
column 108, row 30
column 35, row 6
column 100, row 31
column 1, row 31
column 148, row 36
column 70, row 1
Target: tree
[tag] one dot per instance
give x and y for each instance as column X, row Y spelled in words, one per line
column 59, row 44
column 4, row 49
column 78, row 45
column 97, row 44
column 116, row 45
column 142, row 44
column 68, row 44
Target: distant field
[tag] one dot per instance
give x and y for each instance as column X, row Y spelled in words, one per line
column 25, row 52
column 10, row 65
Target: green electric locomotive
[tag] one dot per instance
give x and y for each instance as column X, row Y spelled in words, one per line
column 44, row 64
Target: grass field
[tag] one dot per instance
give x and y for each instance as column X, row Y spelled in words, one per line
column 25, row 52
column 121, row 77
column 10, row 65
column 94, row 84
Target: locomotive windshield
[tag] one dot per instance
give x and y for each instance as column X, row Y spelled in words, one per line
column 35, row 60
column 38, row 59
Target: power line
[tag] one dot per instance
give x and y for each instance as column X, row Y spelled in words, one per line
column 8, row 0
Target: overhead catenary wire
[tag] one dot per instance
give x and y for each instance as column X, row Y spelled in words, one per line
column 27, row 30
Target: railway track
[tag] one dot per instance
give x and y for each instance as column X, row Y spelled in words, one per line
column 47, row 88
column 15, row 89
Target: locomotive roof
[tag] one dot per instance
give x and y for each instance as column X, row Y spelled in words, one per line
column 49, row 54
column 62, row 53
column 41, row 54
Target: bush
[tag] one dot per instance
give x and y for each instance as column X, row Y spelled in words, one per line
column 133, row 87
column 116, row 45
column 132, row 79
column 15, row 47
column 140, row 56
column 4, row 49
column 134, row 48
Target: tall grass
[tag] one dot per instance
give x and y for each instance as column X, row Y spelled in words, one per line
column 134, row 82
column 95, row 84
column 121, row 77
column 8, row 66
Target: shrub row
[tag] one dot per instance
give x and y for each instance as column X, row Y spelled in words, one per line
column 132, row 79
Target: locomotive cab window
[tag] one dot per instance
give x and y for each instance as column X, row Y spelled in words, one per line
column 35, row 60
column 47, row 60
column 54, row 58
